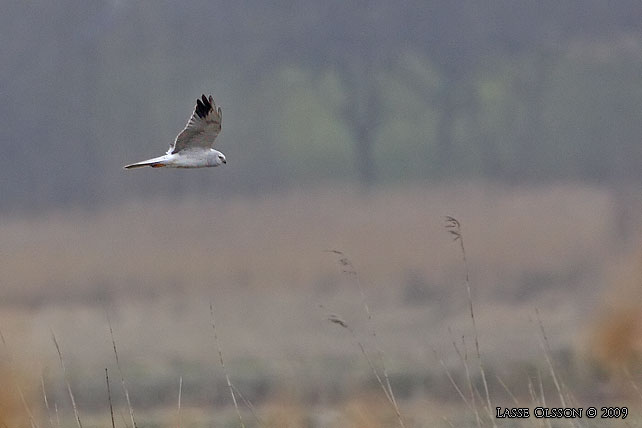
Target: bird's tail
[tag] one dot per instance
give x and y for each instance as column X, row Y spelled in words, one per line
column 137, row 165
column 154, row 163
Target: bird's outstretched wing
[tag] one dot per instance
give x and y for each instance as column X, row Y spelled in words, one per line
column 202, row 128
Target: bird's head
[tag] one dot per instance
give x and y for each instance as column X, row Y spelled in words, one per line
column 215, row 158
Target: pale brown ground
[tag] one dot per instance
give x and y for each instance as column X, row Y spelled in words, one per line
column 155, row 266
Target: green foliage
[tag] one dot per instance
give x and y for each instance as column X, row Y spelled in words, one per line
column 313, row 143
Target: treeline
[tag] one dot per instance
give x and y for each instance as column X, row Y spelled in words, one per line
column 373, row 91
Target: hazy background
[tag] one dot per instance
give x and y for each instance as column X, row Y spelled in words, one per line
column 354, row 126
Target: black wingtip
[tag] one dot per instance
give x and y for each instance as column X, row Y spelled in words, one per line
column 207, row 103
column 203, row 107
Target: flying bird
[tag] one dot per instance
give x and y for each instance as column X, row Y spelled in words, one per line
column 192, row 148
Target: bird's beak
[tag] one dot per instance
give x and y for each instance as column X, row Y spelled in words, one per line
column 224, row 161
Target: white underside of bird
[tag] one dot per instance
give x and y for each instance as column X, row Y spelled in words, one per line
column 195, row 158
column 192, row 148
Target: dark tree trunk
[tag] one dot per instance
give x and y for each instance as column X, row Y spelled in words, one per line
column 364, row 156
column 532, row 132
column 491, row 164
column 362, row 113
column 445, row 128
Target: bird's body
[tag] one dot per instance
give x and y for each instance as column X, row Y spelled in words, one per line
column 192, row 148
column 198, row 158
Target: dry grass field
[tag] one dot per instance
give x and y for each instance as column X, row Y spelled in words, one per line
column 153, row 267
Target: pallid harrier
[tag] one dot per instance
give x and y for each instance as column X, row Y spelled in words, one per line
column 193, row 146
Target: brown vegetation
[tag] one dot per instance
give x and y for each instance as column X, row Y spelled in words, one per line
column 262, row 264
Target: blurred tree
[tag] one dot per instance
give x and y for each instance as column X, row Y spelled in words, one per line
column 362, row 110
column 511, row 90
